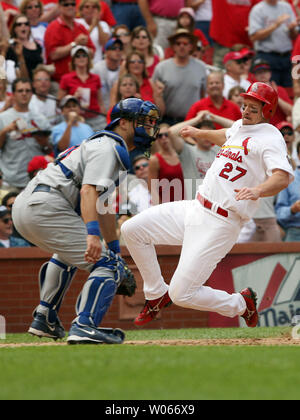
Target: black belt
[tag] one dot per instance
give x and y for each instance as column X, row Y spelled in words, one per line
column 286, row 54
column 42, row 188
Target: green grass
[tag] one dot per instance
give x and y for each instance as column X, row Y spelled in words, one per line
column 152, row 372
column 188, row 334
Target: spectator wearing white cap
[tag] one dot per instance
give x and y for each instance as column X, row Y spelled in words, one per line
column 234, row 63
column 72, row 131
column 108, row 69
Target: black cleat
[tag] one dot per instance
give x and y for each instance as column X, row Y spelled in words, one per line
column 92, row 335
column 40, row 327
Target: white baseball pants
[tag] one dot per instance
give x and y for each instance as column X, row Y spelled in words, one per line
column 205, row 238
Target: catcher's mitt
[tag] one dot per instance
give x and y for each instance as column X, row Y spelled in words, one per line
column 128, row 284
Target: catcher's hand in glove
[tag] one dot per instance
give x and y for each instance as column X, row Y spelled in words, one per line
column 128, row 284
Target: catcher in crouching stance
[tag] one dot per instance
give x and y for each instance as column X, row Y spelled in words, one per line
column 57, row 212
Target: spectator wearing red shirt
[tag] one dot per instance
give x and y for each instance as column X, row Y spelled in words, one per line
column 85, row 86
column 136, row 65
column 229, row 26
column 165, row 166
column 62, row 35
column 263, row 73
column 215, row 103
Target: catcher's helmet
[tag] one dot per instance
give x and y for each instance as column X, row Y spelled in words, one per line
column 143, row 114
column 266, row 94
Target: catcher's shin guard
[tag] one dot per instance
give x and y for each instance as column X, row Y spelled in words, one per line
column 99, row 290
column 54, row 279
column 95, row 300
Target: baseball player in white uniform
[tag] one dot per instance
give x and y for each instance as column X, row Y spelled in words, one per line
column 252, row 163
column 57, row 212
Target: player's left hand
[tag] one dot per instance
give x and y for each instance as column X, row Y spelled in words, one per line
column 247, row 194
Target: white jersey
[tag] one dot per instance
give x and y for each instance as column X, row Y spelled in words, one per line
column 247, row 159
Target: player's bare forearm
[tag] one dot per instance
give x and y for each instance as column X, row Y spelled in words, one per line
column 276, row 183
column 217, row 137
column 108, row 227
column 89, row 195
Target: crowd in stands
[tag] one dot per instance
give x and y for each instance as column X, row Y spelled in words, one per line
column 64, row 64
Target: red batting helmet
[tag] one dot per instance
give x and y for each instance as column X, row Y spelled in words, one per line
column 266, row 94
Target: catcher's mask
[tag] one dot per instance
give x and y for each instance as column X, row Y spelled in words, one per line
column 145, row 117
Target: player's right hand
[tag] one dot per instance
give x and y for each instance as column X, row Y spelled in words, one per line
column 93, row 250
column 247, row 194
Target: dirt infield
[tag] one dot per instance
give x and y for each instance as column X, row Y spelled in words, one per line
column 275, row 341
